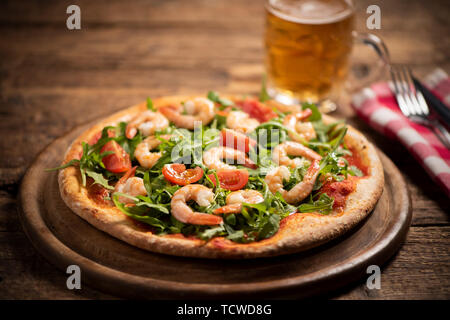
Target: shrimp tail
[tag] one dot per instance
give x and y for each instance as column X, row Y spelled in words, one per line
column 130, row 132
column 128, row 174
column 228, row 209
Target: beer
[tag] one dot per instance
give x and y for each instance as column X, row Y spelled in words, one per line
column 308, row 44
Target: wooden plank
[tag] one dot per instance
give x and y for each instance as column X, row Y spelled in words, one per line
column 420, row 270
column 24, row 274
column 9, row 220
column 115, row 11
column 141, row 11
column 94, row 50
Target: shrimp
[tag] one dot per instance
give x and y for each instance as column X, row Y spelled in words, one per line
column 148, row 122
column 236, row 198
column 213, row 158
column 281, row 153
column 143, row 154
column 198, row 109
column 301, row 190
column 298, row 130
column 131, row 185
column 200, row 194
column 241, row 121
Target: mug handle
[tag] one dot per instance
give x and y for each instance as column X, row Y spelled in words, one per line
column 384, row 60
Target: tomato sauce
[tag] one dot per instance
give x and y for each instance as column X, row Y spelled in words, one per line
column 356, row 160
column 339, row 191
column 97, row 193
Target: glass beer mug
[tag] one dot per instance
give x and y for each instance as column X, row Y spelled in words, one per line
column 308, row 45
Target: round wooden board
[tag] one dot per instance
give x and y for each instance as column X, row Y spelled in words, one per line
column 118, row 268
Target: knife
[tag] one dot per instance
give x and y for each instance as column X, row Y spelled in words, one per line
column 437, row 105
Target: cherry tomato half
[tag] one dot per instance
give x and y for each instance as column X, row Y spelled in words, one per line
column 117, row 162
column 178, row 174
column 234, row 179
column 257, row 110
column 94, row 139
column 236, row 140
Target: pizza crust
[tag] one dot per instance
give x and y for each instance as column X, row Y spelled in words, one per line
column 298, row 232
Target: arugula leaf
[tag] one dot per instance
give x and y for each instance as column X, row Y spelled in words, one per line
column 129, row 145
column 270, row 227
column 264, row 95
column 155, row 222
column 316, row 115
column 235, row 235
column 258, row 221
column 230, row 219
column 150, row 105
column 98, row 179
column 158, row 207
column 354, row 171
column 323, row 205
column 70, row 163
column 214, row 97
column 296, row 177
column 175, row 225
column 219, row 122
column 334, row 144
column 89, row 164
column 104, row 138
column 324, row 133
column 147, row 184
column 270, row 134
column 212, row 232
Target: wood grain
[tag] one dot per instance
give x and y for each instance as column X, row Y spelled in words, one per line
column 52, row 79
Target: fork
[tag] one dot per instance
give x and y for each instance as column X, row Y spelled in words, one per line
column 412, row 103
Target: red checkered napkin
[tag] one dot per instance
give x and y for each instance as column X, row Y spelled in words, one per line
column 377, row 106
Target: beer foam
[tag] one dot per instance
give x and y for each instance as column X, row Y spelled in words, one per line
column 311, row 11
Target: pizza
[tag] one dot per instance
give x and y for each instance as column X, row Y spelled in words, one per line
column 221, row 176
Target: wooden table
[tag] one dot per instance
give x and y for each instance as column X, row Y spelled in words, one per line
column 53, row 79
